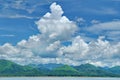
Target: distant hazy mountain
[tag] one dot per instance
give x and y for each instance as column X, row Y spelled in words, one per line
column 8, row 68
column 49, row 66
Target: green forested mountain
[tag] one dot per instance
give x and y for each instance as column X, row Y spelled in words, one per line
column 8, row 68
column 65, row 71
column 91, row 70
column 115, row 69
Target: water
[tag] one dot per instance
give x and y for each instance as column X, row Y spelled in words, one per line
column 56, row 78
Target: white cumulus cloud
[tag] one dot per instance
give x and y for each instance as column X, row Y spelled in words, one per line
column 55, row 26
column 109, row 29
column 47, row 47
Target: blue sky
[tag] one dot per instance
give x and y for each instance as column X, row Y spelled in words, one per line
column 17, row 17
column 97, row 21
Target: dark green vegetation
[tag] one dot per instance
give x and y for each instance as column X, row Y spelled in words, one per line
column 64, row 70
column 8, row 68
column 91, row 70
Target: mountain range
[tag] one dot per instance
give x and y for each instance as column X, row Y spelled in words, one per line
column 8, row 68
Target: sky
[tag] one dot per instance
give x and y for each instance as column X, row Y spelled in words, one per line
column 69, row 32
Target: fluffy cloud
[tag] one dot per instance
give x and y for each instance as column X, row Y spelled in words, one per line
column 44, row 47
column 8, row 49
column 47, row 47
column 104, row 52
column 53, row 46
column 95, row 52
column 77, row 50
column 109, row 29
column 55, row 26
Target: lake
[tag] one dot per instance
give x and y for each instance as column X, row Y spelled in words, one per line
column 56, row 78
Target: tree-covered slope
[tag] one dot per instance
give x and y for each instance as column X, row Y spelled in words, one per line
column 115, row 70
column 8, row 68
column 91, row 70
column 64, row 71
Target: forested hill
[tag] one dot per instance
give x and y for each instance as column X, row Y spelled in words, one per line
column 8, row 68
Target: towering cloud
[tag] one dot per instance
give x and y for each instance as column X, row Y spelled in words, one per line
column 48, row 46
column 54, row 26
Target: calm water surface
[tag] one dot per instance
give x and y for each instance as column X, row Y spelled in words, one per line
column 56, row 78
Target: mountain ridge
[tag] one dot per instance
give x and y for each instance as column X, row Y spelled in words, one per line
column 8, row 68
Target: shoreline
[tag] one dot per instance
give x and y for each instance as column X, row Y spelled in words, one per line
column 57, row 76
